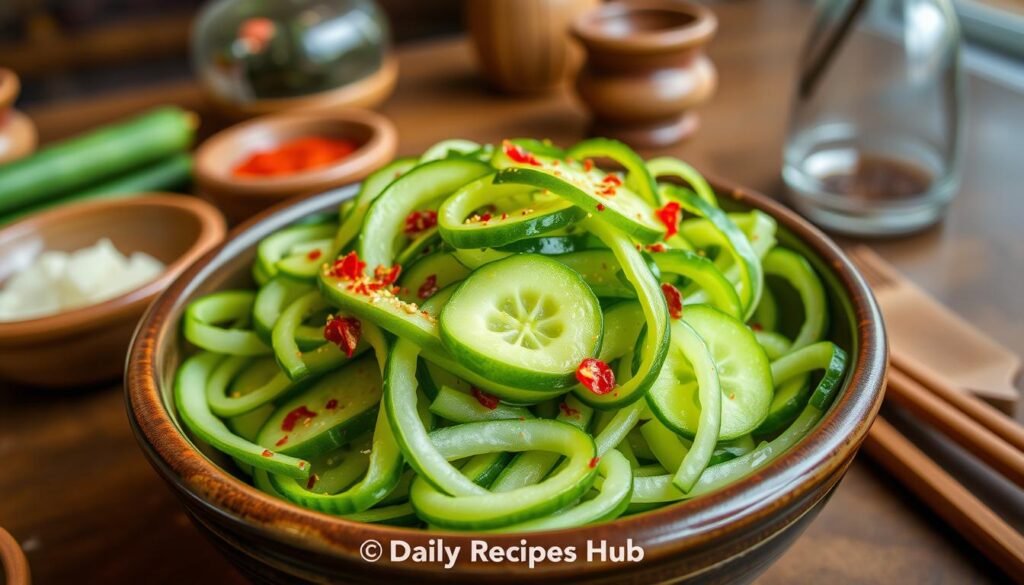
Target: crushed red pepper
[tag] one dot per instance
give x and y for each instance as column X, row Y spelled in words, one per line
column 343, row 332
column 295, row 156
column 349, row 267
column 314, row 254
column 596, row 376
column 294, row 416
column 313, row 478
column 674, row 299
column 593, row 462
column 267, row 453
column 486, row 400
column 519, row 154
column 331, row 404
column 428, row 288
column 669, row 215
column 280, row 442
column 568, row 410
column 420, row 221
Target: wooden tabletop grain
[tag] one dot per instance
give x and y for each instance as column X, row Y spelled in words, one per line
column 86, row 507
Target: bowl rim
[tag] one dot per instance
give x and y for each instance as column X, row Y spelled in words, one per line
column 212, row 229
column 380, row 146
column 10, row 87
column 588, row 27
column 817, row 461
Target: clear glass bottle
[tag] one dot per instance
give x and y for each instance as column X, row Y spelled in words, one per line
column 874, row 145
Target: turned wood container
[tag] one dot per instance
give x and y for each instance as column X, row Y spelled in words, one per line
column 646, row 69
column 524, row 46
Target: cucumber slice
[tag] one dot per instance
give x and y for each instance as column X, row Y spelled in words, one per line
column 550, row 245
column 329, row 414
column 600, row 270
column 666, row 166
column 625, row 210
column 519, row 212
column 487, row 510
column 271, row 300
column 429, row 275
column 796, row 270
column 424, row 244
column 720, row 292
column 455, row 406
column 381, row 235
column 279, row 246
column 372, row 187
column 743, row 370
column 638, row 178
column 526, row 319
column 204, row 316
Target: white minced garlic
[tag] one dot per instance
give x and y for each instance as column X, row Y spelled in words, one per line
column 59, row 281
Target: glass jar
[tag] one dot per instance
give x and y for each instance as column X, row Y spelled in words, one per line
column 874, row 145
column 248, row 50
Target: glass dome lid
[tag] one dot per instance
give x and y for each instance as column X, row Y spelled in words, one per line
column 250, row 50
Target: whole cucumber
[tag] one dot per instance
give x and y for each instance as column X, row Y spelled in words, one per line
column 81, row 161
column 168, row 174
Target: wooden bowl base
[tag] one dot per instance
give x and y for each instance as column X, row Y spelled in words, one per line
column 659, row 134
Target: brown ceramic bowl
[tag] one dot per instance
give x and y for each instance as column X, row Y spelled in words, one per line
column 88, row 345
column 729, row 535
column 241, row 197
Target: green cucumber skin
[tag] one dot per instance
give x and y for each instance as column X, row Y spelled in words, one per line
column 78, row 162
column 170, row 174
column 453, row 322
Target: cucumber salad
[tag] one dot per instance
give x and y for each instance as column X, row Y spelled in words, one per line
column 512, row 338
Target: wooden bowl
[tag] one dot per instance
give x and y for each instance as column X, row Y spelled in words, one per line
column 367, row 92
column 729, row 535
column 13, row 564
column 18, row 136
column 646, row 69
column 88, row 345
column 241, row 197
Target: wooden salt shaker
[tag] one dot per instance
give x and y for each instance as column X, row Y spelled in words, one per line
column 645, row 69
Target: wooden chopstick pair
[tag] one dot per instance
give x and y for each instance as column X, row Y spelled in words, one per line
column 981, row 429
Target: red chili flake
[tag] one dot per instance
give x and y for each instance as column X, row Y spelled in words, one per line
column 267, row 453
column 588, row 164
column 612, row 180
column 593, row 462
column 331, row 404
column 600, row 207
column 428, row 288
column 596, row 376
column 486, row 400
column 314, row 254
column 349, row 268
column 504, row 215
column 669, row 215
column 344, row 332
column 485, row 218
column 519, row 154
column 294, row 416
column 387, row 276
column 674, row 300
column 312, row 481
column 757, row 327
column 659, row 247
column 568, row 410
column 420, row 221
column 280, row 442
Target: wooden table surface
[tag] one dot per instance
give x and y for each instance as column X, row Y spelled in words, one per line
column 77, row 493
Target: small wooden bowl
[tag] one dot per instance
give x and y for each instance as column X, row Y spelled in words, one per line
column 727, row 536
column 240, row 198
column 88, row 345
column 17, row 133
column 12, row 561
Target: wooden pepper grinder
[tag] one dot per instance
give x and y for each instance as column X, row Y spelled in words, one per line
column 524, row 45
column 645, row 69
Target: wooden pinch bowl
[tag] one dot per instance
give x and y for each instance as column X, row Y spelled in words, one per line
column 241, row 197
column 646, row 69
column 13, row 564
column 88, row 345
column 727, row 536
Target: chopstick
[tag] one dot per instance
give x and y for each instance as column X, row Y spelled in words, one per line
column 982, row 412
column 948, row 498
column 929, row 405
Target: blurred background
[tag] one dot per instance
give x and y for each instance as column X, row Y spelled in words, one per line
column 64, row 49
